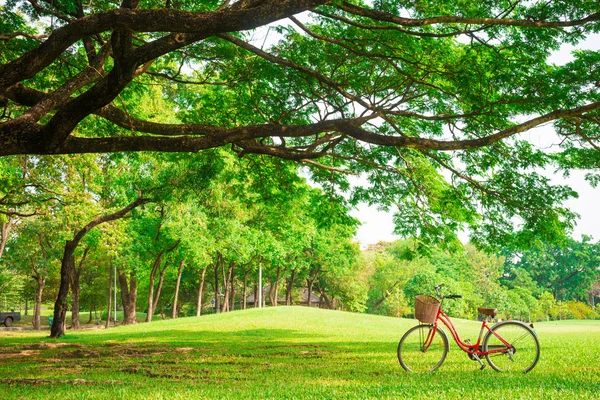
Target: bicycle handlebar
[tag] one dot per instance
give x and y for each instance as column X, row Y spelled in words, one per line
column 449, row 296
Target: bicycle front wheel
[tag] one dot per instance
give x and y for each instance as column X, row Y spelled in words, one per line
column 514, row 347
column 422, row 349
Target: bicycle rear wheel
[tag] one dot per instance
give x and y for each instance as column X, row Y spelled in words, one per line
column 522, row 352
column 418, row 353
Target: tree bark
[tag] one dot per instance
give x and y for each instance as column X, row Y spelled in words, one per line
column 175, row 297
column 128, row 297
column 67, row 265
column 40, row 282
column 289, row 288
column 93, row 307
column 225, row 305
column 245, row 287
column 76, row 292
column 385, row 295
column 4, row 231
column 310, row 281
column 232, row 288
column 110, row 289
column 256, row 305
column 200, row 290
column 161, row 279
column 152, row 299
column 325, row 299
column 157, row 262
column 274, row 290
column 218, row 266
column 227, row 287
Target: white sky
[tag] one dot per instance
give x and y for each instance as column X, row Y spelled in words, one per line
column 378, row 225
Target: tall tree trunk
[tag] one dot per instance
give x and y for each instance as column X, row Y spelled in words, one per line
column 61, row 305
column 274, row 291
column 325, row 299
column 89, row 321
column 227, row 287
column 232, row 288
column 175, row 298
column 245, row 288
column 40, row 282
column 200, row 290
column 153, row 271
column 128, row 297
column 225, row 305
column 310, row 281
column 289, row 288
column 161, row 279
column 76, row 291
column 256, row 305
column 4, row 231
column 152, row 299
column 218, row 265
column 110, row 289
column 67, row 265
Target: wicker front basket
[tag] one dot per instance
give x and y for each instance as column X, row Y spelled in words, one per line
column 426, row 308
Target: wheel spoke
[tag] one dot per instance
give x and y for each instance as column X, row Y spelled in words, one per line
column 416, row 354
column 523, row 351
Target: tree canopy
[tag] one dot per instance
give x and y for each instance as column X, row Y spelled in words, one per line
column 427, row 100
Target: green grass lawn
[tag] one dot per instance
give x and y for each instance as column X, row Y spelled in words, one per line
column 283, row 352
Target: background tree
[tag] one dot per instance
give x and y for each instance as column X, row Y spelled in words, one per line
column 427, row 100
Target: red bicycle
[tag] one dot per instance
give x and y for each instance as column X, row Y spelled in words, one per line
column 507, row 346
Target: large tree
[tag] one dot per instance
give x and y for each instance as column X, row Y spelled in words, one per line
column 398, row 90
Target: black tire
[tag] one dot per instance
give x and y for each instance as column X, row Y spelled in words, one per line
column 8, row 321
column 410, row 349
column 523, row 353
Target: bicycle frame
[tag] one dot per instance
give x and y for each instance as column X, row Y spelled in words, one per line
column 469, row 348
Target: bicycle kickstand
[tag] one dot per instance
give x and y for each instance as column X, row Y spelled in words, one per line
column 476, row 357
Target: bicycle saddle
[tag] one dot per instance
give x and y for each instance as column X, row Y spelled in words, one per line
column 488, row 311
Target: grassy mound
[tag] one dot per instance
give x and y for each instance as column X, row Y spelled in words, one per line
column 283, row 352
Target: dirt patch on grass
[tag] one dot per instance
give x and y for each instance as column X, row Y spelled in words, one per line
column 198, row 375
column 39, row 382
column 44, row 346
column 23, row 353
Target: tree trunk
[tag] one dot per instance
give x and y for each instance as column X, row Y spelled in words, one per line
column 225, row 305
column 67, row 265
column 4, row 231
column 232, row 288
column 274, row 291
column 325, row 299
column 256, row 296
column 175, row 298
column 61, row 306
column 110, row 289
column 289, row 288
column 161, row 279
column 310, row 282
column 89, row 321
column 245, row 288
column 227, row 287
column 200, row 290
column 385, row 295
column 217, row 267
column 157, row 262
column 40, row 283
column 76, row 292
column 128, row 297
